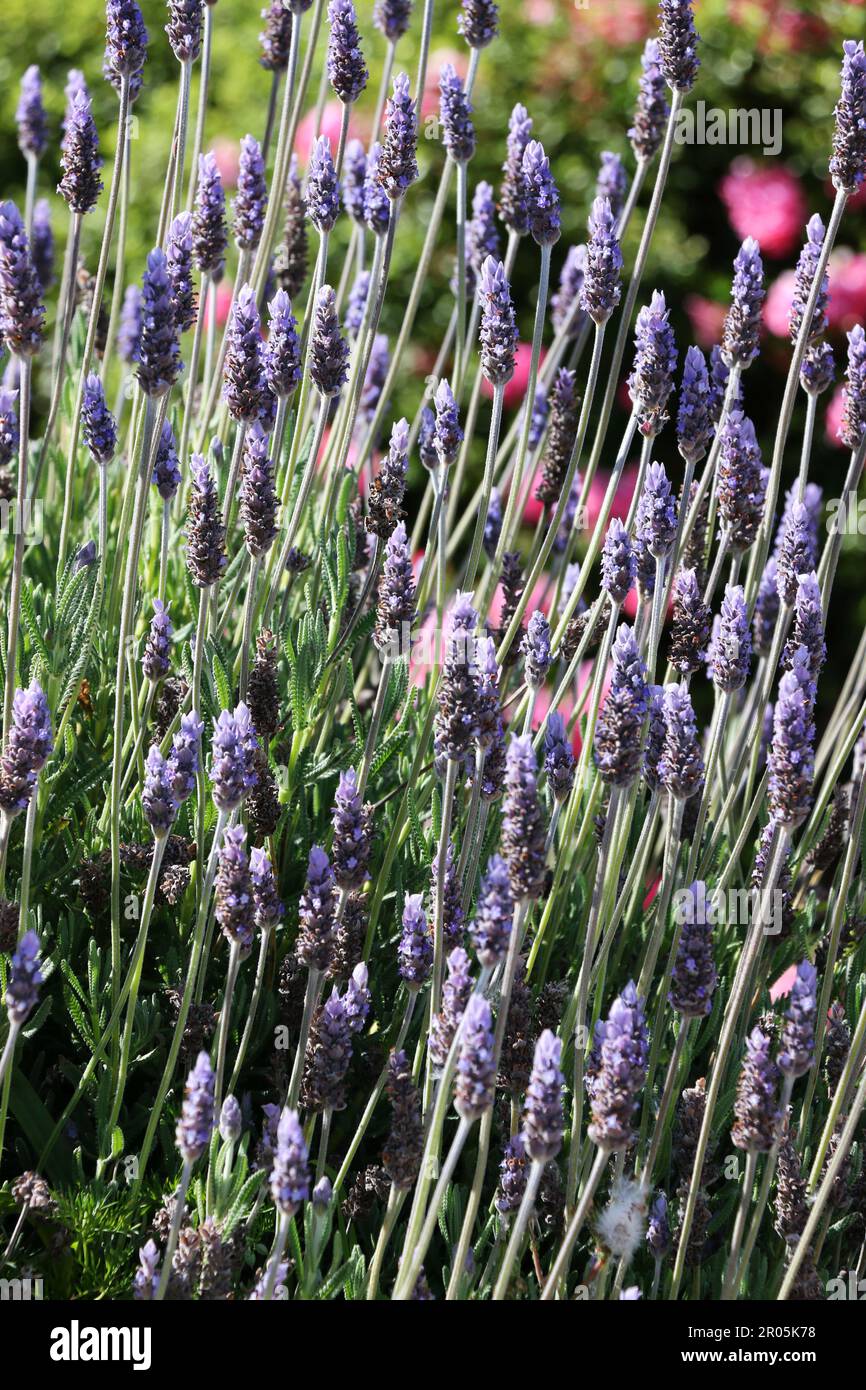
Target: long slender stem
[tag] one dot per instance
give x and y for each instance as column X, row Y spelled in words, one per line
column 13, row 602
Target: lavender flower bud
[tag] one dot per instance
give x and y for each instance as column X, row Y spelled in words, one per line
column 678, row 44
column 478, row 22
column 196, row 1123
column 542, row 195
column 455, row 113
column 415, row 950
column 159, row 353
column 797, row 553
column 266, row 899
column 351, row 845
column 290, row 1175
column 398, row 165
column 376, row 203
column 347, row 70
column 323, row 189
column 329, row 351
column 9, row 434
column 328, row 1056
column 651, row 381
column 185, row 19
column 374, row 381
column 157, row 797
column 498, row 333
column 25, row 977
column 389, row 485
column 448, row 435
column 601, row 288
column 233, row 892
column 656, row 514
column 243, row 374
column 283, row 354
column 621, row 1073
column 276, row 37
column 145, row 1285
column 523, row 836
column 403, row 1150
column 756, row 1109
column 356, row 1000
column 848, row 163
column 426, row 438
column 681, row 768
column 536, row 649
column 512, row 1177
column 475, row 1084
column 513, row 195
column 354, row 174
column 125, row 38
column 797, row 1050
column 252, row 195
column 391, row 18
column 655, row 738
column 658, row 1231
column 129, row 328
column 356, row 304
column 80, row 160
column 184, row 759
column 30, row 115
column 743, row 321
column 543, row 1122
column 316, row 913
column 457, row 696
column 29, row 744
column 742, row 481
column 791, row 759
column 205, row 534
column 42, row 244
column 494, row 913
column 854, row 392
column 231, row 1122
column 22, row 315
column 156, row 662
column 694, row 975
column 482, row 233
column 455, row 996
column 766, row 610
column 97, row 422
column 652, row 110
column 564, row 305
column 818, row 371
column 231, row 771
column 618, row 563
column 694, row 418
column 395, row 610
column 808, row 630
column 561, row 437
column 558, row 757
column 619, row 729
column 804, row 279
column 258, row 499
column 209, row 232
column 732, row 644
column 690, row 624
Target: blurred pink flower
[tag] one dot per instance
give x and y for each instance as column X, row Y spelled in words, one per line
column 540, row 11
column 627, row 22
column 778, row 304
column 706, row 317
column 784, row 984
column 227, row 153
column 223, row 303
column 332, row 117
column 516, row 388
column 833, row 419
column 766, row 203
column 847, row 304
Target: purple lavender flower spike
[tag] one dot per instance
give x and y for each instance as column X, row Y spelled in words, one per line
column 494, row 914
column 791, row 759
column 196, row 1123
column 395, row 611
column 455, row 112
column 457, row 718
column 231, row 1121
column 512, row 1177
column 656, row 513
column 565, row 303
column 719, row 374
column 558, row 757
column 159, row 354
column 329, row 351
column 283, row 355
column 316, row 913
column 498, row 333
column 398, row 165
column 658, row 1231
column 290, row 1174
column 652, row 109
column 357, row 1000
column 185, row 20
column 766, row 610
column 448, row 435
column 848, row 164
column 694, row 977
column 385, row 503
column 543, row 1121
column 690, row 626
column 694, row 418
column 803, row 281
column 415, row 949
column 209, row 231
column 854, row 392
column 742, row 481
column 354, row 174
column 475, row 1082
column 523, row 835
column 129, row 328
column 797, row 1049
column 347, row 70
column 455, row 996
column 482, row 233
column 536, row 649
column 156, row 662
column 252, row 195
column 377, row 374
column 25, row 977
column 205, row 534
column 42, row 244
column 231, row 771
column 678, row 44
column 601, row 289
column 493, row 524
column 619, row 728
column 258, row 498
column 376, row 203
column 808, row 631
column 618, row 563
column 542, row 195
column 8, row 426
column 732, row 644
column 323, row 189
column 276, row 37
column 391, row 18
column 30, row 115
column 97, row 422
column 29, row 744
column 621, row 1073
column 478, row 22
column 327, row 1059
column 146, row 1282
column 80, row 160
column 233, row 890
column 184, row 759
column 166, row 468
column 178, row 253
column 243, row 374
column 681, row 768
column 125, row 38
column 797, row 553
column 612, row 182
column 22, row 314
column 426, row 438
column 756, row 1109
column 157, row 796
column 350, row 852
column 513, row 198
column 268, row 905
column 655, row 738
column 818, row 371
column 740, row 338
column 651, row 381
column 356, row 304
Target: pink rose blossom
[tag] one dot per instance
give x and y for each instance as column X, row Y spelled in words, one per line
column 227, row 154
column 706, row 318
column 332, row 117
column 766, row 203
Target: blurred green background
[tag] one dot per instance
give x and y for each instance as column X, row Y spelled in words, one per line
column 575, row 66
